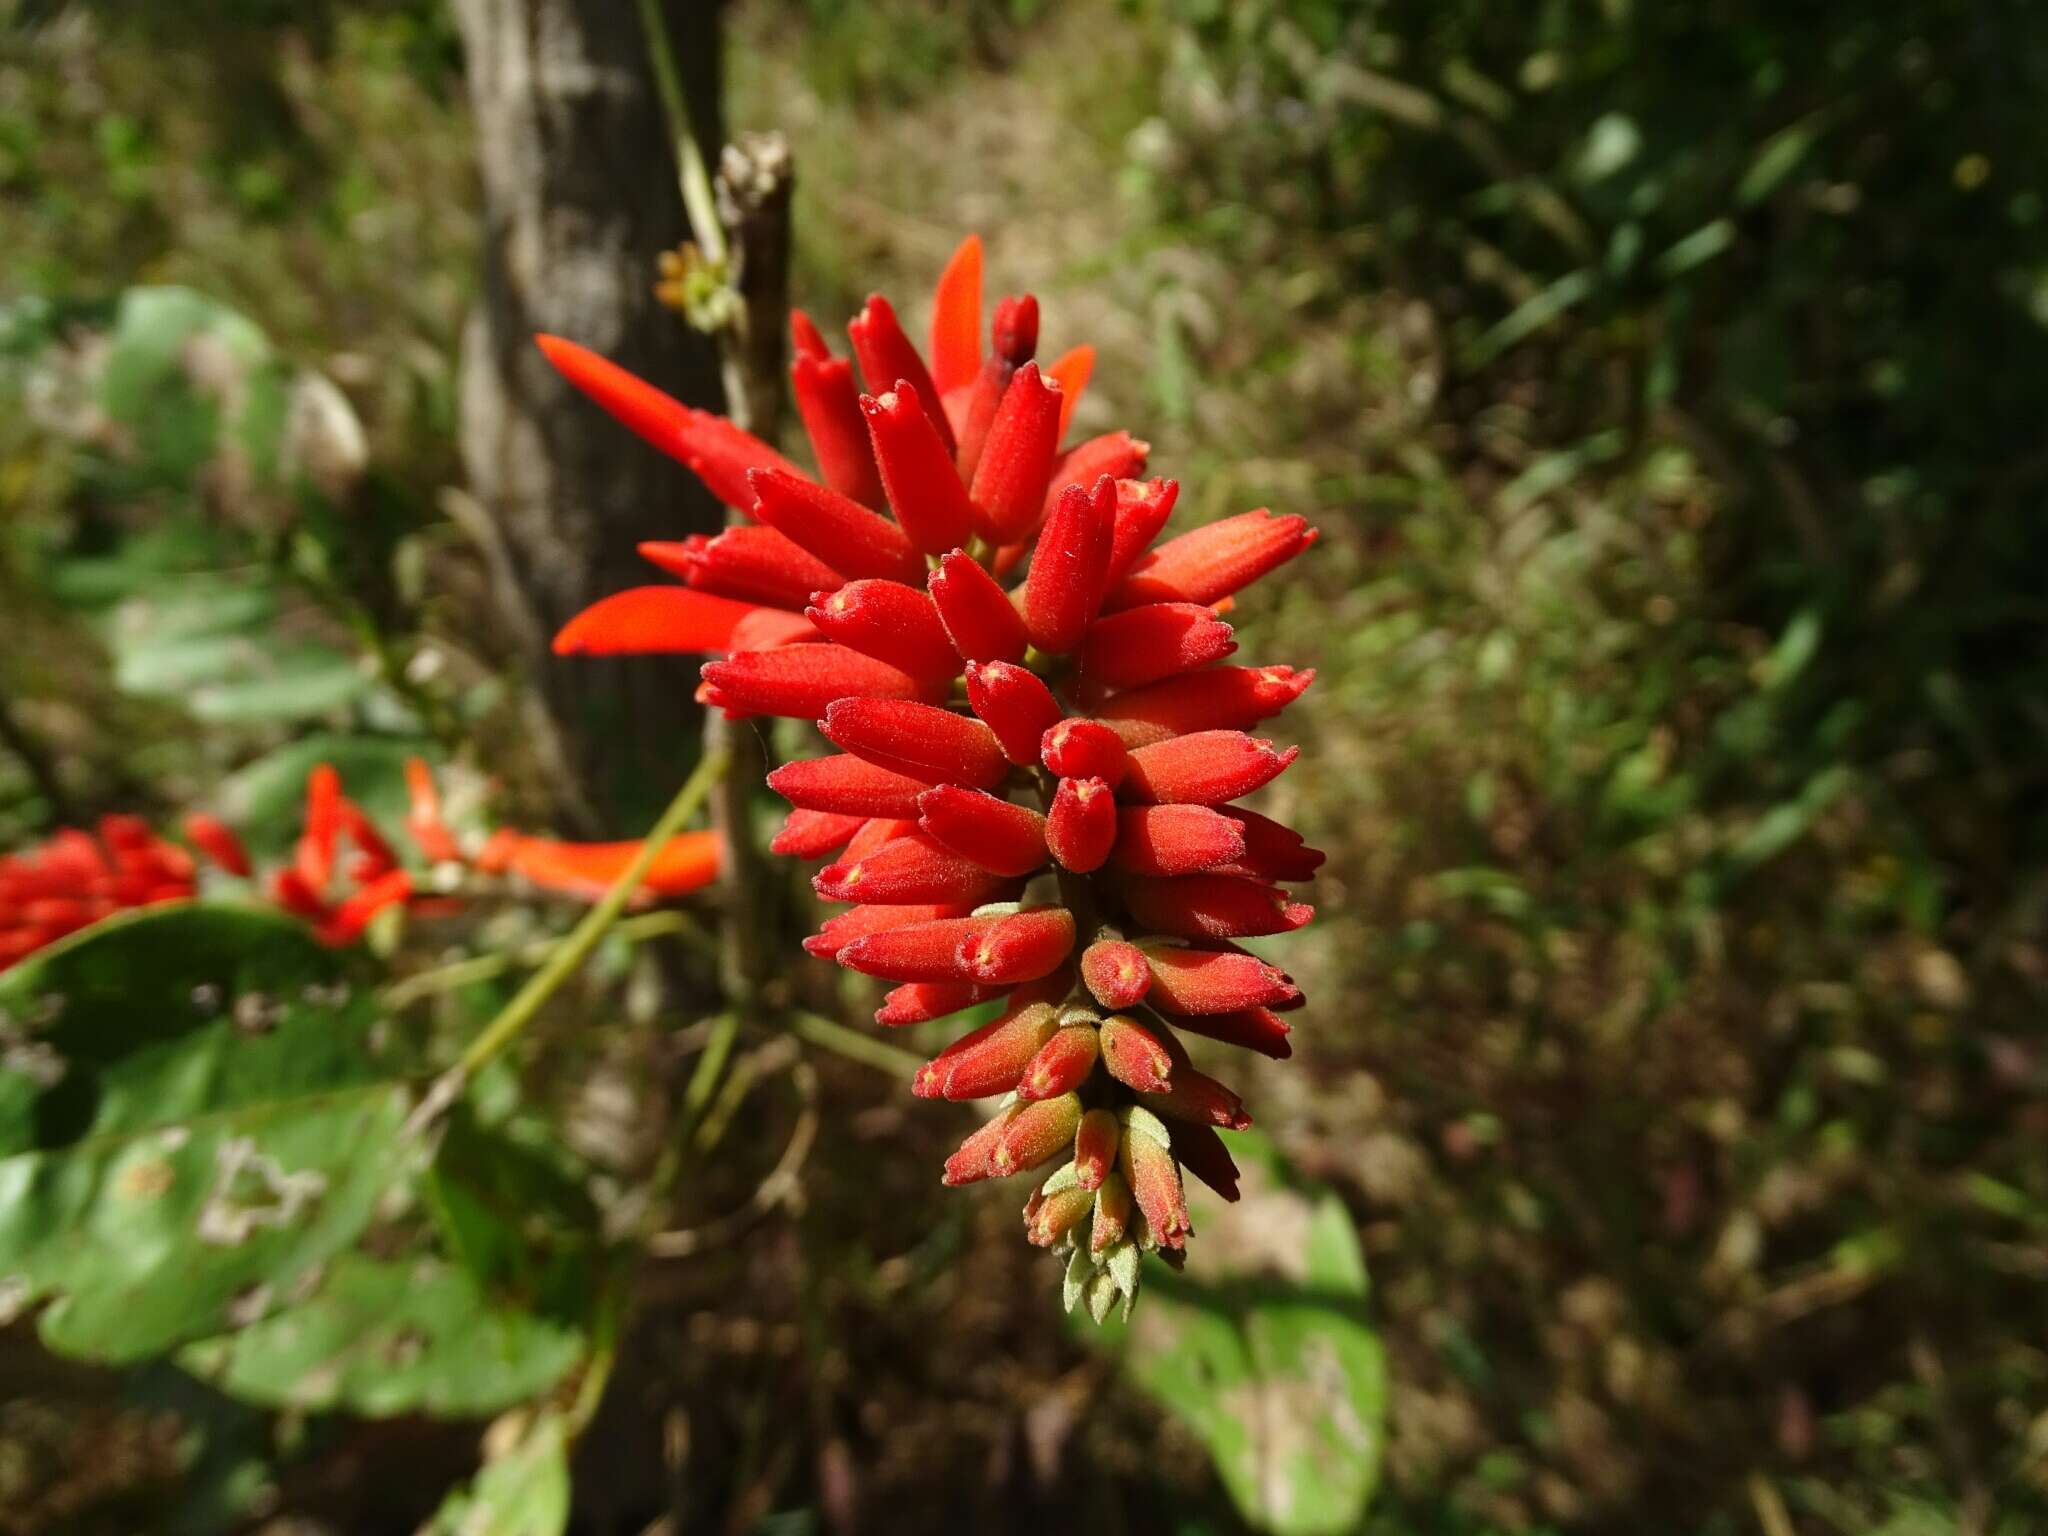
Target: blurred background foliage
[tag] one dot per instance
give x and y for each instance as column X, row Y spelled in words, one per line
column 1665, row 380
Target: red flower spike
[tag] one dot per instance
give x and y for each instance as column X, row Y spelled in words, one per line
column 1095, row 1147
column 956, row 319
column 1009, row 483
column 997, row 950
column 813, row 834
column 1080, row 828
column 970, row 1164
column 924, row 489
column 829, row 402
column 1112, row 1215
column 802, row 681
column 1061, row 1065
column 999, row 836
column 1142, row 645
column 1155, row 1183
column 1213, row 981
column 643, row 621
column 977, row 613
column 1084, row 749
column 845, row 927
column 1015, row 334
column 1115, row 454
column 991, row 1059
column 845, row 784
column 1202, row 1153
column 1014, row 704
column 919, row 1002
column 890, row 622
column 886, row 356
column 914, row 868
column 1065, row 585
column 1213, row 907
column 877, row 833
column 1142, row 509
column 756, row 565
column 1071, row 370
column 1207, row 768
column 1220, row 699
column 1273, row 851
column 837, row 530
column 921, row 740
column 217, row 840
column 1200, row 1098
column 1117, row 974
column 1134, row 1056
column 1036, row 1134
column 1212, row 562
column 715, row 451
column 1256, row 1029
column 1056, row 1215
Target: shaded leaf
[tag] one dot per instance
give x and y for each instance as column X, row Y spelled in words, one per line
column 522, row 1492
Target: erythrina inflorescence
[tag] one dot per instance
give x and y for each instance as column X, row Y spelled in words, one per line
column 1030, row 800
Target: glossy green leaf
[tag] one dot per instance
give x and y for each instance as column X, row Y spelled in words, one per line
column 379, row 1338
column 523, row 1491
column 197, row 1110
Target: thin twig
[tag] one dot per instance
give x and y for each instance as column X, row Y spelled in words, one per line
column 854, row 1045
column 777, row 1189
column 462, row 973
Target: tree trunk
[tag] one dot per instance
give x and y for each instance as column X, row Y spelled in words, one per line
column 579, row 196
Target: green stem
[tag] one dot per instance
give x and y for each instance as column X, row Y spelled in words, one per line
column 462, row 973
column 854, row 1045
column 695, row 179
column 584, row 937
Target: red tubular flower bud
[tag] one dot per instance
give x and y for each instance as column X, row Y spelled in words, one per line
column 813, row 834
column 1134, row 1056
column 754, row 564
column 1036, row 1134
column 768, row 629
column 1212, row 981
column 1062, row 1064
column 845, row 784
column 1256, row 1029
column 1198, row 1097
column 996, row 834
column 644, row 621
column 844, row 928
column 346, row 923
column 1212, row 562
column 1174, row 840
column 1015, row 704
column 1014, row 330
column 924, row 489
column 1052, row 1218
column 1154, row 1177
column 890, row 622
column 977, row 613
column 1071, row 370
column 802, row 681
column 1220, row 699
column 805, row 339
column 1273, row 851
column 1115, row 454
column 919, row 1002
column 313, row 857
column 878, row 832
column 997, row 950
column 922, row 740
column 217, row 840
column 991, row 1059
column 914, row 868
column 970, row 1164
column 1084, row 749
column 839, row 531
column 1142, row 509
column 716, row 451
column 1117, row 974
column 1095, row 1147
column 1213, row 907
column 956, row 318
column 1202, row 1153
column 1142, row 645
column 1064, row 587
column 1015, row 333
column 886, row 356
column 1112, row 1215
column 1009, row 483
column 829, row 402
column 1080, row 827
column 1207, row 768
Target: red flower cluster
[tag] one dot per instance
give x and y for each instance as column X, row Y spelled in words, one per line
column 73, row 879
column 1031, row 800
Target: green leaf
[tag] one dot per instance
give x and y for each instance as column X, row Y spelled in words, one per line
column 524, row 1491
column 1265, row 1348
column 382, row 1337
column 1777, row 159
column 1531, row 316
column 1697, row 248
column 195, row 1113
